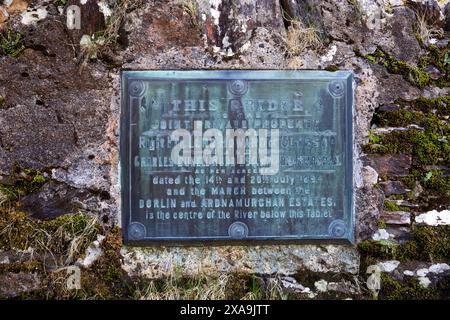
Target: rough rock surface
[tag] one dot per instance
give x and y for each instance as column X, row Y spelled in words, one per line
column 284, row 260
column 59, row 109
column 15, row 284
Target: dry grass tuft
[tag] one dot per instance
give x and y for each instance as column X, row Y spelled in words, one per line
column 58, row 242
column 206, row 287
column 191, row 8
column 177, row 287
column 424, row 32
column 300, row 37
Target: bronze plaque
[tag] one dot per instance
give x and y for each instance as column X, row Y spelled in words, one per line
column 236, row 155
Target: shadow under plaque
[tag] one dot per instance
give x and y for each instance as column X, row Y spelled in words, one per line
column 231, row 156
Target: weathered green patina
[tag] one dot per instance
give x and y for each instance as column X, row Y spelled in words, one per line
column 237, row 155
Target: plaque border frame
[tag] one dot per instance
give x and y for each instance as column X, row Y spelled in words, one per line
column 127, row 76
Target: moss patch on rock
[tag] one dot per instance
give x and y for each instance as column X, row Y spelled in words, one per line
column 11, row 44
column 411, row 73
column 62, row 238
column 438, row 58
column 23, row 182
column 439, row 106
column 391, row 206
column 426, row 148
column 417, row 75
column 433, row 243
column 427, row 142
column 392, row 289
column 427, row 244
column 424, row 133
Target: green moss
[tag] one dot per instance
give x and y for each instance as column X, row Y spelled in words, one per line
column 439, row 182
column 16, row 230
column 61, row 3
column 381, row 224
column 24, row 182
column 436, row 188
column 426, row 118
column 436, row 193
column 73, row 224
column 396, row 118
column 332, row 68
column 392, row 289
column 11, row 44
column 410, row 181
column 19, row 231
column 2, row 102
column 411, row 73
column 373, row 138
column 409, row 250
column 439, row 105
column 372, row 250
column 416, row 74
column 425, row 148
column 397, row 197
column 424, row 61
column 433, row 242
column 419, row 39
column 439, row 58
column 371, row 58
column 390, row 206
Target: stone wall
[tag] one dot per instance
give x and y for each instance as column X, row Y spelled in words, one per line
column 59, row 116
